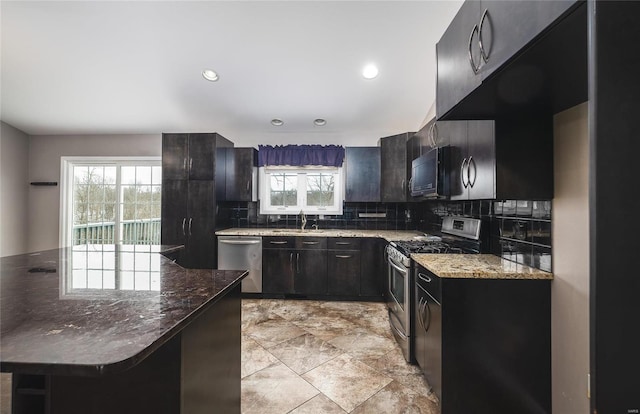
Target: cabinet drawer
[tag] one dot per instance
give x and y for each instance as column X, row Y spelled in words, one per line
column 278, row 242
column 344, row 243
column 313, row 243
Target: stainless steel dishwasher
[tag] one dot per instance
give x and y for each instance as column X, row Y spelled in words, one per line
column 242, row 253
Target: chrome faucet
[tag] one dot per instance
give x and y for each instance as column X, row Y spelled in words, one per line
column 303, row 219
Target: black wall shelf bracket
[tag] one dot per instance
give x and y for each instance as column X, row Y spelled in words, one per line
column 45, row 183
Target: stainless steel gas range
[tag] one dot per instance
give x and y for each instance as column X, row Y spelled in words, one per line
column 459, row 235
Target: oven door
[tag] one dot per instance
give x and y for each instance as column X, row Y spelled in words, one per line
column 398, row 304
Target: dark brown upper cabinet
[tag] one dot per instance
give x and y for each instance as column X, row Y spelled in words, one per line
column 503, row 159
column 241, row 173
column 191, row 156
column 362, row 174
column 482, row 38
column 395, row 168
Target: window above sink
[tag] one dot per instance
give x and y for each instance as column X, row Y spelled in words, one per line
column 289, row 190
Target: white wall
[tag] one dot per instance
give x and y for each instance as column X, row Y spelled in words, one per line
column 570, row 288
column 44, row 165
column 14, row 190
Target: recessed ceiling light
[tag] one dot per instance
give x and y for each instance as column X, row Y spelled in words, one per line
column 277, row 122
column 370, row 71
column 319, row 122
column 210, row 75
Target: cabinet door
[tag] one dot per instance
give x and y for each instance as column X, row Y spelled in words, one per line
column 455, row 133
column 393, row 162
column 175, row 151
column 311, row 272
column 277, row 270
column 202, row 156
column 174, row 212
column 456, row 78
column 373, row 267
column 343, row 267
column 482, row 160
column 241, row 163
column 508, row 26
column 201, row 225
column 362, row 171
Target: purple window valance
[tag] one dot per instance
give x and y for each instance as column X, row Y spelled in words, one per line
column 301, row 155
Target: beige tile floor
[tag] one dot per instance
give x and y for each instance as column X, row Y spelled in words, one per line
column 311, row 357
column 326, row 357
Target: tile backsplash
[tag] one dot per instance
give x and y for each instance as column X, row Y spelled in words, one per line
column 519, row 231
column 393, row 216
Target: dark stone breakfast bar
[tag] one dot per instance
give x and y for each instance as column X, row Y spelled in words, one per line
column 106, row 329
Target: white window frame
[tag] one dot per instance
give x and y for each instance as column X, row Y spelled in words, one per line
column 265, row 182
column 66, row 186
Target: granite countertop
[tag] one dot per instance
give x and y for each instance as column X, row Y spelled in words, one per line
column 477, row 266
column 96, row 309
column 389, row 235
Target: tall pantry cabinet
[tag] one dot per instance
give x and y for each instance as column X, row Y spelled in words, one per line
column 189, row 205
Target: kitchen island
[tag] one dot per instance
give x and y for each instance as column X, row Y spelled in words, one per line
column 112, row 328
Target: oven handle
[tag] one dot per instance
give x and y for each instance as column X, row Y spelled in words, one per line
column 402, row 335
column 402, row 270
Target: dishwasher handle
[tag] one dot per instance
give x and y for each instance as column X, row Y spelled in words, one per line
column 242, row 242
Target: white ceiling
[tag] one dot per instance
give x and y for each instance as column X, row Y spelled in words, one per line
column 114, row 67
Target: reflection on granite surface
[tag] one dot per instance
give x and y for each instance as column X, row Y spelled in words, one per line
column 55, row 319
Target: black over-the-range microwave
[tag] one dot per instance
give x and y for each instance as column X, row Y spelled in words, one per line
column 429, row 174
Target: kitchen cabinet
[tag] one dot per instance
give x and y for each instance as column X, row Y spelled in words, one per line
column 191, row 156
column 503, row 159
column 483, row 37
column 395, row 168
column 373, row 268
column 187, row 220
column 486, row 339
column 362, row 174
column 294, row 265
column 241, row 174
column 189, row 179
column 344, row 266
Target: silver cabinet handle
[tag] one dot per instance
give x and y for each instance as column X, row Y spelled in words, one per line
column 291, row 263
column 426, row 322
column 475, row 171
column 190, row 222
column 277, row 242
column 485, row 56
column 248, row 185
column 420, row 312
column 343, row 256
column 435, row 134
column 424, row 277
column 310, row 242
column 242, row 242
column 465, row 183
column 184, row 163
column 430, row 134
column 471, row 62
column 343, row 243
column 184, row 221
column 297, row 262
column 190, row 164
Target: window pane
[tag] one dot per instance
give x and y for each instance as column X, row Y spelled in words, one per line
column 284, row 189
column 143, row 175
column 320, row 189
column 110, row 174
column 95, row 175
column 80, row 174
column 128, row 175
column 156, row 175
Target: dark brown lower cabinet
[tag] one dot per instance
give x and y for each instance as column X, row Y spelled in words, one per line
column 485, row 344
column 344, row 272
column 287, row 270
column 349, row 268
